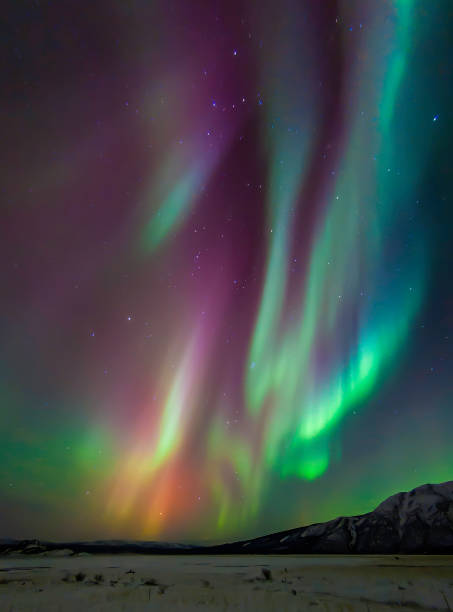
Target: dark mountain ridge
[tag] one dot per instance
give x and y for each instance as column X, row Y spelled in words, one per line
column 417, row 522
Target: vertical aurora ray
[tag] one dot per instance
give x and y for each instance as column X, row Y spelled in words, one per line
column 317, row 389
column 289, row 117
column 173, row 209
column 175, row 183
column 157, row 443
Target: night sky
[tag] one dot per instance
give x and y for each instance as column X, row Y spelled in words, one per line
column 225, row 254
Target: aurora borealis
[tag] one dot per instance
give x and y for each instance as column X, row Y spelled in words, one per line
column 226, row 283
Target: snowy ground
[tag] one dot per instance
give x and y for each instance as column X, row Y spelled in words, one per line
column 248, row 582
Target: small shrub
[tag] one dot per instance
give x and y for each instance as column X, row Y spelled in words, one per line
column 80, row 576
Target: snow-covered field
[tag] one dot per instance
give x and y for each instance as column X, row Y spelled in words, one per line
column 248, row 582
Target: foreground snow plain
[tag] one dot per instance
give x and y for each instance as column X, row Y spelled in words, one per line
column 278, row 583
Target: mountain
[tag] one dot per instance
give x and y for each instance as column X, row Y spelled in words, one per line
column 420, row 521
column 106, row 547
